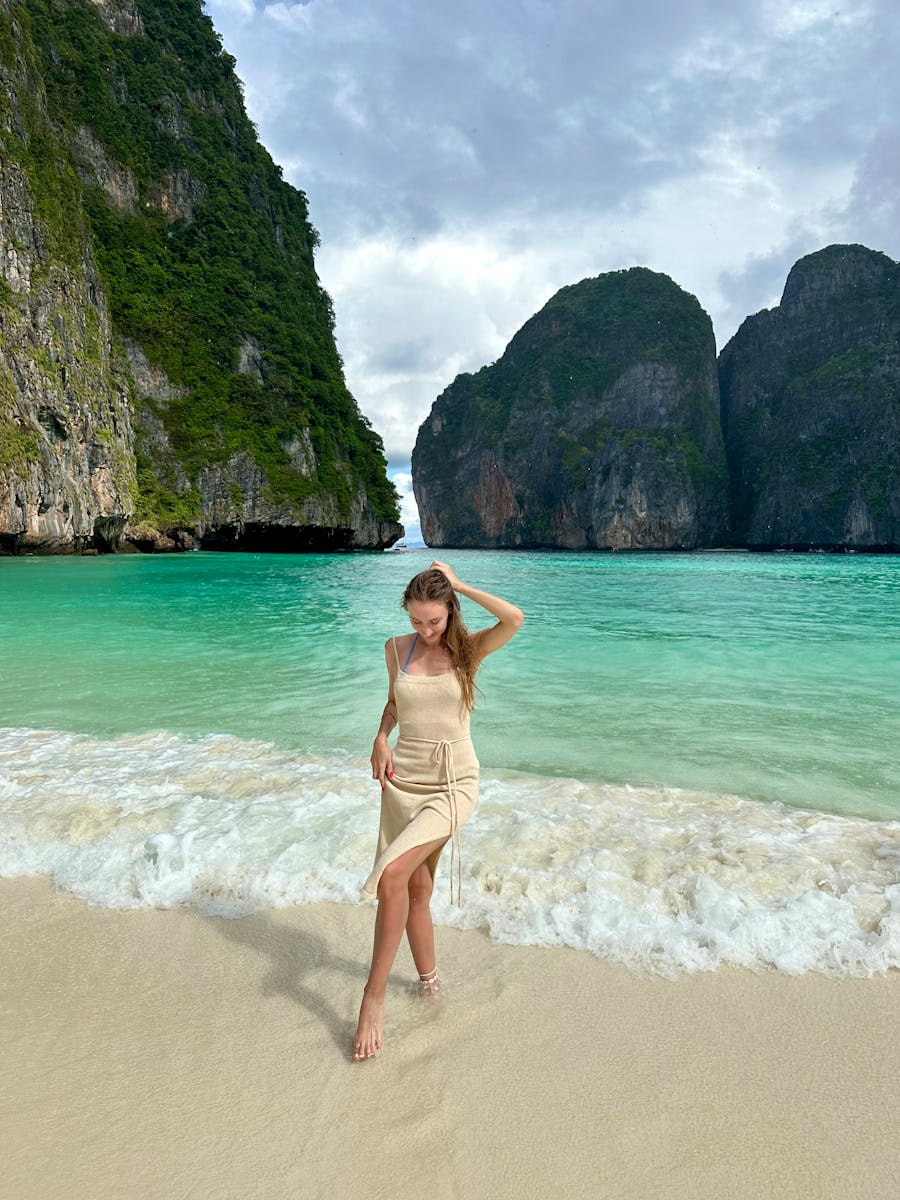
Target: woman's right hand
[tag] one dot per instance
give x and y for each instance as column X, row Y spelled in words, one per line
column 382, row 760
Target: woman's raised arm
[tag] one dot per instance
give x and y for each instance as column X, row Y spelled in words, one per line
column 509, row 618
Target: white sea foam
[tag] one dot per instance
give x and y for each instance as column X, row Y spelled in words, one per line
column 658, row 879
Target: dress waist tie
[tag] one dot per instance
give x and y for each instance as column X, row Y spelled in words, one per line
column 443, row 756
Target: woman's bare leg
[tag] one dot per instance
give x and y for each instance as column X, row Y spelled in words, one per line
column 390, row 922
column 419, row 925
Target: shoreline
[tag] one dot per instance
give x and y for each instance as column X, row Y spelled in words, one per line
column 175, row 551
column 667, row 880
column 162, row 1053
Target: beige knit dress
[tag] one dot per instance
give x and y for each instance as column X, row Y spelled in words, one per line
column 434, row 789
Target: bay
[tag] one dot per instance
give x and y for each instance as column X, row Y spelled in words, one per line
column 687, row 758
column 775, row 677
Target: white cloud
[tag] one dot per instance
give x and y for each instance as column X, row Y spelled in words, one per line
column 240, row 11
column 465, row 161
column 790, row 20
column 409, row 513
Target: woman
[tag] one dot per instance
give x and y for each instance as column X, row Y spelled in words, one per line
column 429, row 782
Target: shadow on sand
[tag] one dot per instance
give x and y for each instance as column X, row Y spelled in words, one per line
column 296, row 955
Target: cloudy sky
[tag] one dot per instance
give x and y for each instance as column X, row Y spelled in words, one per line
column 463, row 160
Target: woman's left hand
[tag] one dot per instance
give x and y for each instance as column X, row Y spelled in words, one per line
column 448, row 572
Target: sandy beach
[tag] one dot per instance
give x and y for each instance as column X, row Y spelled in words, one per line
column 166, row 1054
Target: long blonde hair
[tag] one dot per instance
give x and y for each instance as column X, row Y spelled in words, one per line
column 432, row 586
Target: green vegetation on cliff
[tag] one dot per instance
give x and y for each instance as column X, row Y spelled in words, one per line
column 598, row 426
column 811, row 407
column 202, row 250
column 53, row 183
column 17, row 448
column 578, row 345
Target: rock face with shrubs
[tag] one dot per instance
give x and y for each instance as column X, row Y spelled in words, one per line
column 603, row 425
column 168, row 371
column 811, row 408
column 598, row 428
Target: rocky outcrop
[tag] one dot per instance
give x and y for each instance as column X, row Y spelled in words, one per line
column 168, row 372
column 121, row 16
column 94, row 166
column 67, row 472
column 237, row 513
column 597, row 429
column 178, row 193
column 811, row 408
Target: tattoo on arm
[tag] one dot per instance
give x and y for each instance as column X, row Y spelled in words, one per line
column 388, row 717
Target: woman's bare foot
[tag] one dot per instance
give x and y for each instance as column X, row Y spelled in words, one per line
column 369, row 1030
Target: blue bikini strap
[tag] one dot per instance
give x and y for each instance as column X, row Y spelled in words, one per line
column 409, row 656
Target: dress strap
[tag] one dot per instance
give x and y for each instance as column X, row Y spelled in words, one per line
column 409, row 656
column 396, row 655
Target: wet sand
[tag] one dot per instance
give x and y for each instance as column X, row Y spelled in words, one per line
column 168, row 1055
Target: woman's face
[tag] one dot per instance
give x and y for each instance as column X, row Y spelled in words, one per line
column 428, row 618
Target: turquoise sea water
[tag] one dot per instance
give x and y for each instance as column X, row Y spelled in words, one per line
column 773, row 677
column 674, row 701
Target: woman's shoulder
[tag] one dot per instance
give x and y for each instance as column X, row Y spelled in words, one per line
column 395, row 647
column 399, row 640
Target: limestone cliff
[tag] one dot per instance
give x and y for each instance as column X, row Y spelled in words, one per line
column 811, row 408
column 67, row 475
column 598, row 428
column 168, row 359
